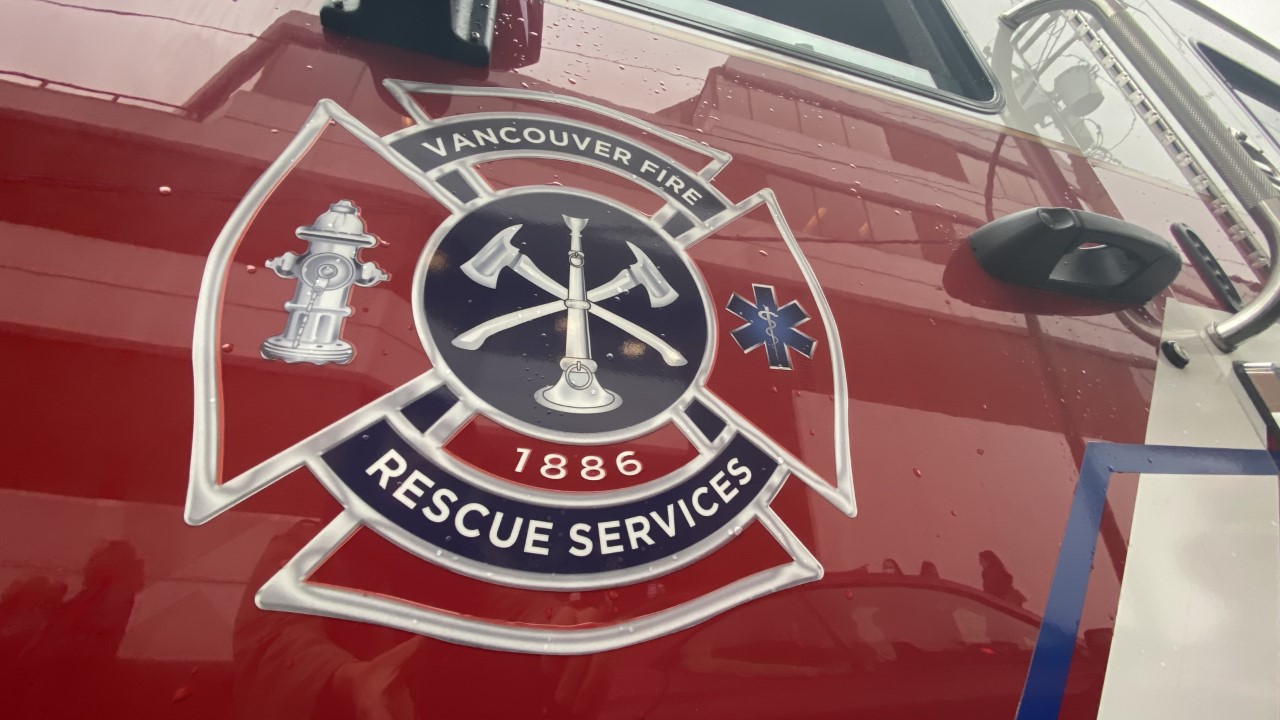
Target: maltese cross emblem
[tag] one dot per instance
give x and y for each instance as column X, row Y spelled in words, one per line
column 519, row 387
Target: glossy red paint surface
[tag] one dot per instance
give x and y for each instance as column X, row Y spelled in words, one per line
column 970, row 402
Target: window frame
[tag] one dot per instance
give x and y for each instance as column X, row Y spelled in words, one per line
column 1206, row 53
column 992, row 105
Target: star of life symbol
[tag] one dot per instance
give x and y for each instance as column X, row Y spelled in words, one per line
column 595, row 276
column 771, row 326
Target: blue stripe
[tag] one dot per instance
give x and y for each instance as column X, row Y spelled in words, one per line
column 1051, row 659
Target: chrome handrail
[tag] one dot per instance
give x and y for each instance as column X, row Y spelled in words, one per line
column 1212, row 136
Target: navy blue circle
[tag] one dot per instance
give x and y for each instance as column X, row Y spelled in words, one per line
column 513, row 364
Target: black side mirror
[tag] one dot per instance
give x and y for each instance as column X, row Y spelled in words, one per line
column 1077, row 252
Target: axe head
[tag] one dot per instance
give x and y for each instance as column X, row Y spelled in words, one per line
column 496, row 254
column 647, row 275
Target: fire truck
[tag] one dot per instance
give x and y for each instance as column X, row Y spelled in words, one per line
column 388, row 359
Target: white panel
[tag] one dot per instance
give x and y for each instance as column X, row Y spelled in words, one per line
column 1198, row 627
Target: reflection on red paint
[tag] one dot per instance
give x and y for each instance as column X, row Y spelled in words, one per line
column 109, row 601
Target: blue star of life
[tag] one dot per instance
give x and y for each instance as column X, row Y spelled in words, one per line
column 771, row 326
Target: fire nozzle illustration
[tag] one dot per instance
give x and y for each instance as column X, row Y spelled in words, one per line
column 579, row 389
column 325, row 275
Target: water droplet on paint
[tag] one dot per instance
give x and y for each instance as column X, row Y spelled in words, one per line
column 165, row 189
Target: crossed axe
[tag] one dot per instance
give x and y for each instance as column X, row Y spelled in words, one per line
column 487, row 264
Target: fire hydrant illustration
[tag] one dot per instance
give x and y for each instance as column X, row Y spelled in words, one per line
column 326, row 273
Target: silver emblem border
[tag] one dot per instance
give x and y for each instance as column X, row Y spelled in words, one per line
column 289, row 590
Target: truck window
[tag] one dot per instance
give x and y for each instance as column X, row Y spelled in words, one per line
column 1260, row 96
column 909, row 43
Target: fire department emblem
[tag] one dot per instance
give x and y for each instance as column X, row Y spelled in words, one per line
column 576, row 387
